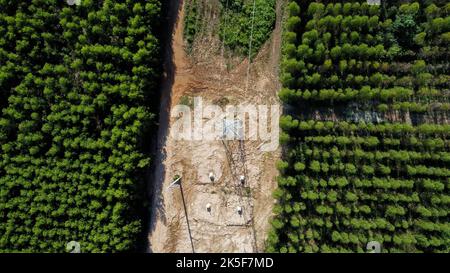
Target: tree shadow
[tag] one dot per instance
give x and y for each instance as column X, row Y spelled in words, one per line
column 156, row 174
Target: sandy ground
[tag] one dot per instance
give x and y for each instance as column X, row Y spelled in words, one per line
column 221, row 228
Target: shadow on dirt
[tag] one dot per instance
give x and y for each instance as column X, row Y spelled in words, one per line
column 155, row 174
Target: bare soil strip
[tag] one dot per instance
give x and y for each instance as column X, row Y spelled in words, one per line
column 221, row 228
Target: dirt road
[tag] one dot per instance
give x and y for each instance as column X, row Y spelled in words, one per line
column 224, row 216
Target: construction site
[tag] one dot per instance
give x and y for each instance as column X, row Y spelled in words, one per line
column 214, row 196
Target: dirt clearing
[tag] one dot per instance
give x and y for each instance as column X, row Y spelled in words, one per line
column 224, row 215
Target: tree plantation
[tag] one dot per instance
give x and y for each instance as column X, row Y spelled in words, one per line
column 90, row 96
column 78, row 93
column 366, row 129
